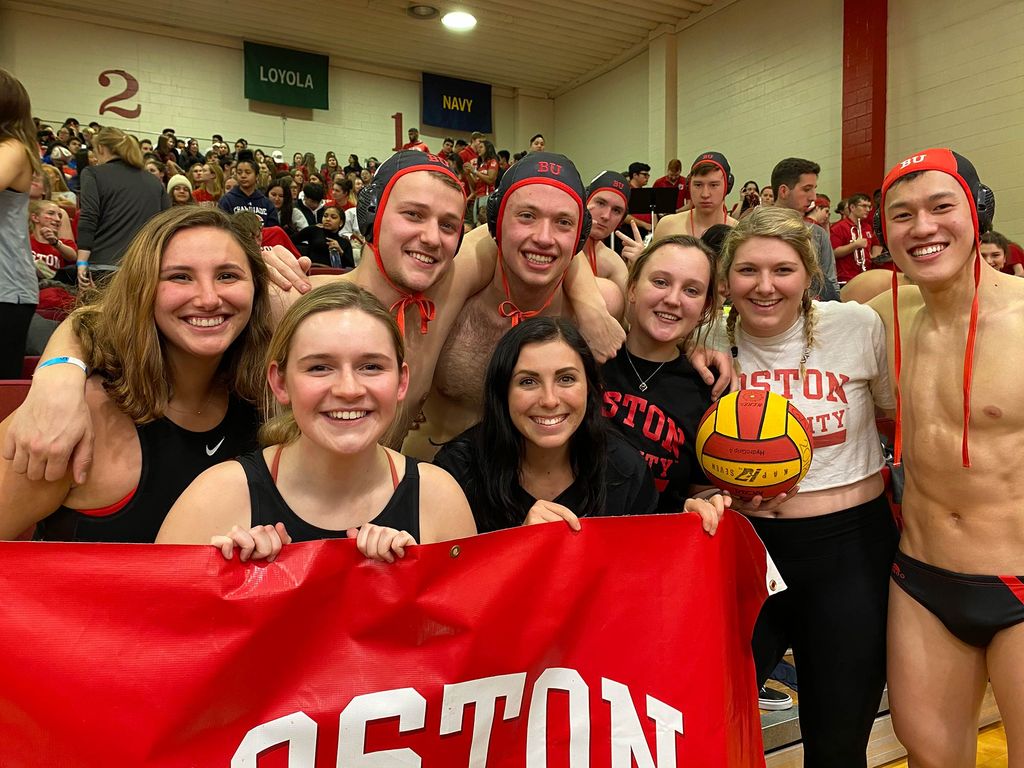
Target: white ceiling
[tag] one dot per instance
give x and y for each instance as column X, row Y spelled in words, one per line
column 543, row 47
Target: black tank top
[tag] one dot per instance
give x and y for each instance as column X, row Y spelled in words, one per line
column 402, row 512
column 172, row 457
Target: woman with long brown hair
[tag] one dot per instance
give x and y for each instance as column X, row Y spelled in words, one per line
column 19, row 159
column 174, row 347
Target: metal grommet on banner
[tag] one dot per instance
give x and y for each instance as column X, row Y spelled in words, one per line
column 455, row 551
column 772, row 585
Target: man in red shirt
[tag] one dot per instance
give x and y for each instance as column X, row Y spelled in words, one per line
column 471, row 152
column 852, row 238
column 675, row 178
column 447, row 148
column 414, row 141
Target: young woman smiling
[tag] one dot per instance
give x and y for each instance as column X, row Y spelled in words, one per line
column 543, row 451
column 653, row 395
column 337, row 372
column 173, row 344
column 835, row 539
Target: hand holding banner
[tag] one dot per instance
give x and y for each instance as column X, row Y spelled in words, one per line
column 629, row 640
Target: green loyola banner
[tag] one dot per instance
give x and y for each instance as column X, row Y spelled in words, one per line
column 283, row 76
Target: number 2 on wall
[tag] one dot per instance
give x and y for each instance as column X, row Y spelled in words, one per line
column 131, row 87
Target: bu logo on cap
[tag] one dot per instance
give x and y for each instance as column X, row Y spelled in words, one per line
column 913, row 160
column 618, row 185
column 543, row 166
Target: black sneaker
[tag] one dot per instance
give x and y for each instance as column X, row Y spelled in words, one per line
column 773, row 700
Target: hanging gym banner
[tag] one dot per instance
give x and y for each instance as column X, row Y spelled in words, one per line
column 458, row 105
column 629, row 641
column 283, row 76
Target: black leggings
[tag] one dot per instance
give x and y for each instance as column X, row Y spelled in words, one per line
column 833, row 613
column 14, row 321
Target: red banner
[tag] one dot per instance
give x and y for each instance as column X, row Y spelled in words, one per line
column 535, row 647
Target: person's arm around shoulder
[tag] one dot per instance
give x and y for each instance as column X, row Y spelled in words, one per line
column 53, row 427
column 444, row 511
column 615, row 268
column 595, row 317
column 24, row 502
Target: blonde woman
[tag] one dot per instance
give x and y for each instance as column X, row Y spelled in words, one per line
column 835, row 539
column 174, row 348
column 211, row 178
column 59, row 191
column 118, row 196
column 337, row 372
column 19, row 159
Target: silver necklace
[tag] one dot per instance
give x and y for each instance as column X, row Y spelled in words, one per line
column 641, row 379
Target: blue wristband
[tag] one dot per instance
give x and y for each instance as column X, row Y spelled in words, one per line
column 64, row 359
column 82, row 264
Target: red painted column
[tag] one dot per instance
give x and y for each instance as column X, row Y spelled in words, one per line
column 865, row 50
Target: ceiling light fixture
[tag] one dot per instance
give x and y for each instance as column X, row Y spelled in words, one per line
column 422, row 12
column 459, row 21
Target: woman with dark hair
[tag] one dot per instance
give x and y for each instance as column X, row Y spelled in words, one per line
column 349, row 194
column 19, row 159
column 280, row 194
column 330, row 167
column 309, row 166
column 165, row 150
column 750, row 199
column 543, row 451
column 191, row 154
column 324, row 243
column 353, row 165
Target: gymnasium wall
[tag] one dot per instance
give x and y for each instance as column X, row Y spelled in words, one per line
column 763, row 81
column 955, row 79
column 603, row 124
column 195, row 85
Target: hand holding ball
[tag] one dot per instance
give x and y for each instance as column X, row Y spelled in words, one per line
column 754, row 442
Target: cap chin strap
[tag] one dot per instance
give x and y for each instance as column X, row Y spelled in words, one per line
column 407, row 299
column 507, row 308
column 972, row 334
column 591, row 252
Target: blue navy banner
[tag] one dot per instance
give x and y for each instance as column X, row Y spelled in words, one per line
column 461, row 105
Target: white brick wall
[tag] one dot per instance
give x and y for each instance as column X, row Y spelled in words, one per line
column 197, row 88
column 603, row 124
column 955, row 79
column 762, row 81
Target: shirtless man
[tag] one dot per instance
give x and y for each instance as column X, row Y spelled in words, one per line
column 710, row 180
column 536, row 223
column 608, row 201
column 411, row 216
column 950, row 632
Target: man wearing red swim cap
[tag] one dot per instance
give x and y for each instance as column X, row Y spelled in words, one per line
column 709, row 182
column 956, row 604
column 608, row 204
column 537, row 223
